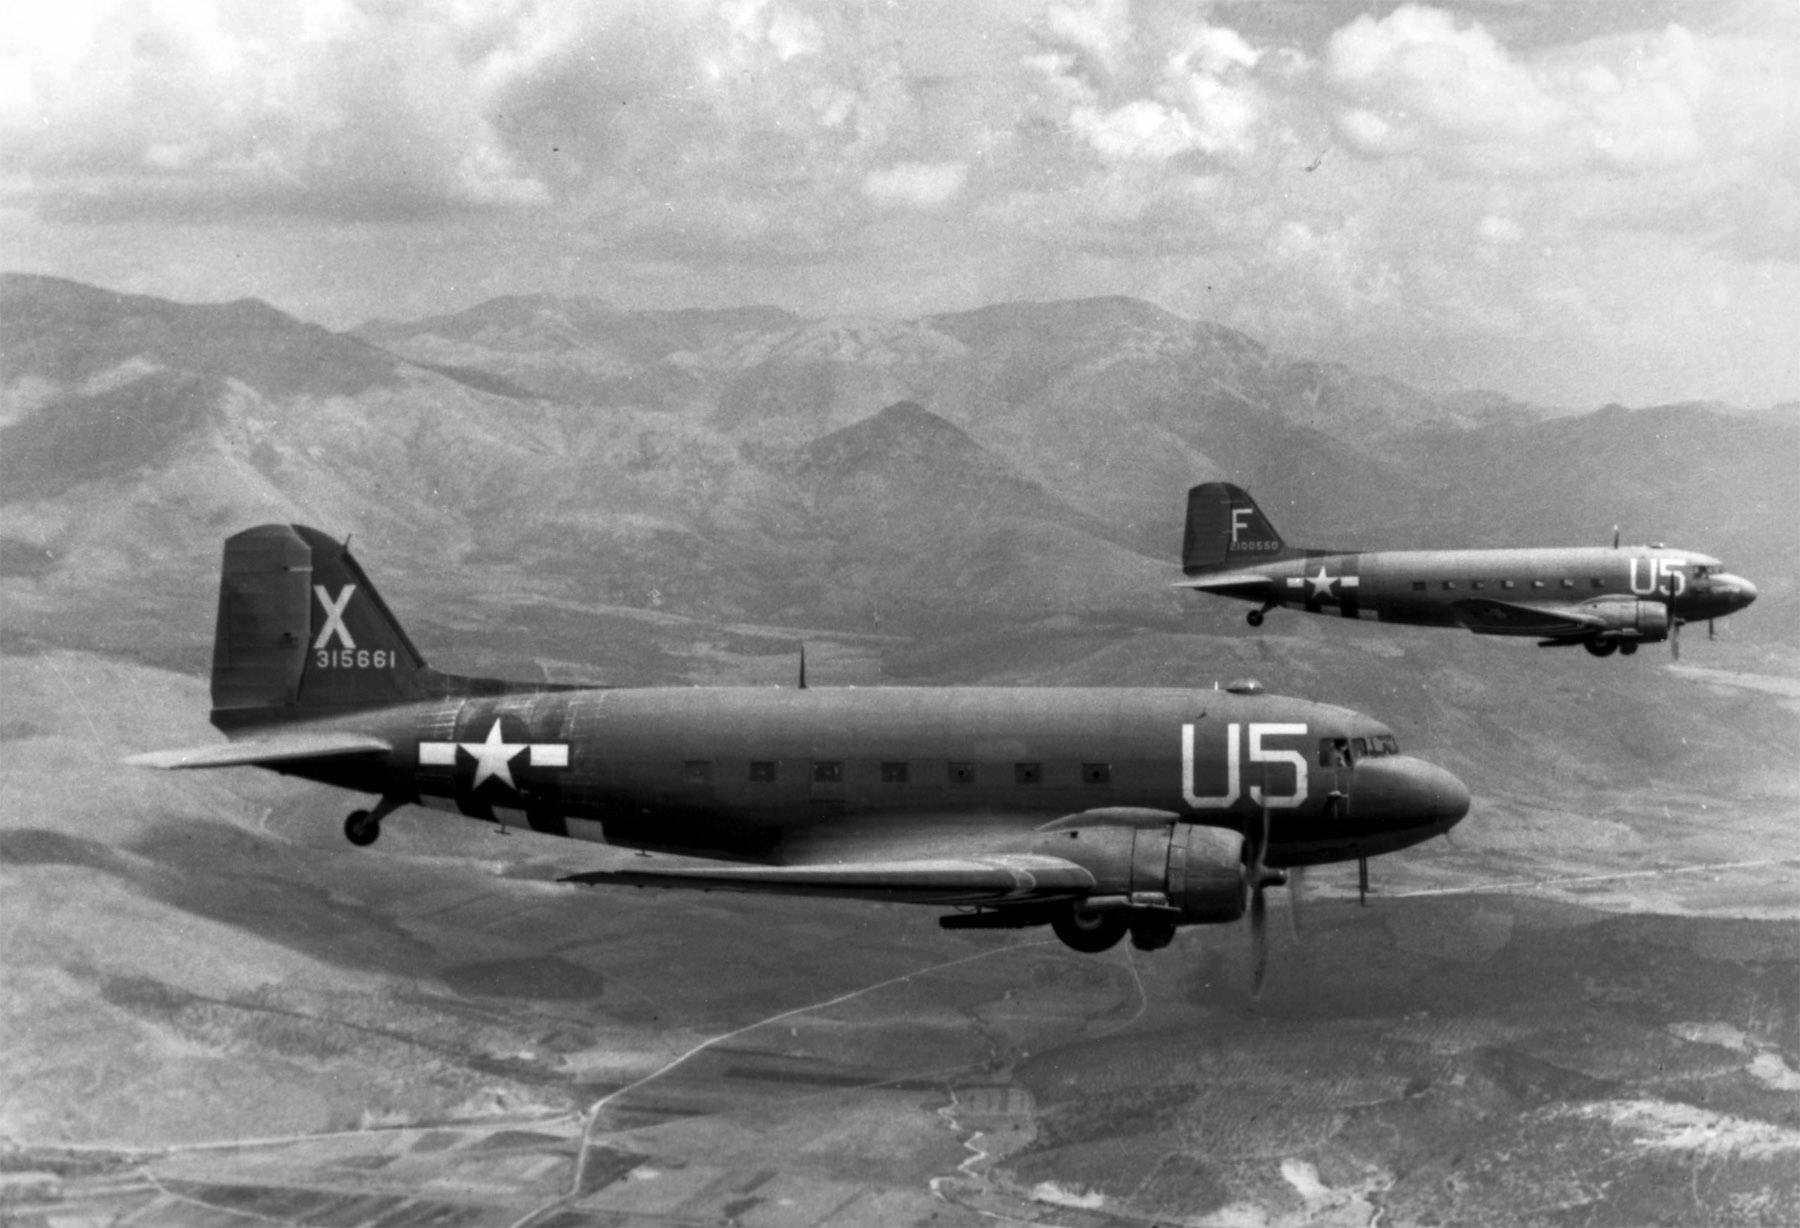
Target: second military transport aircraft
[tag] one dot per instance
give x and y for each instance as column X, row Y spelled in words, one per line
column 1604, row 599
column 1099, row 812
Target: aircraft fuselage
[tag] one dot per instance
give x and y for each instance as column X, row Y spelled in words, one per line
column 1425, row 587
column 783, row 776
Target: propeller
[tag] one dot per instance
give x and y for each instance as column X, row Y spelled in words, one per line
column 1674, row 622
column 1296, row 894
column 1259, row 877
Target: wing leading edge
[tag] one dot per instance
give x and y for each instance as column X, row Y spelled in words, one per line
column 998, row 879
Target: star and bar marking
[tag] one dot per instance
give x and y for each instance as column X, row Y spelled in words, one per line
column 494, row 756
column 1319, row 587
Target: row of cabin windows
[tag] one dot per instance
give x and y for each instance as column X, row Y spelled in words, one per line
column 894, row 772
column 1420, row 586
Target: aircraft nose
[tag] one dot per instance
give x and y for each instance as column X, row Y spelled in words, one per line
column 1407, row 792
column 1741, row 591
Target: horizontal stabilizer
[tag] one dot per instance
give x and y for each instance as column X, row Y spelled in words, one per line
column 1232, row 584
column 264, row 752
column 999, row 879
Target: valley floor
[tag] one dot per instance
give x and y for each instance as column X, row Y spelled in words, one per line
column 1585, row 1010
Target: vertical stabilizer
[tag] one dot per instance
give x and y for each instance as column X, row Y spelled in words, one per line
column 301, row 628
column 1226, row 529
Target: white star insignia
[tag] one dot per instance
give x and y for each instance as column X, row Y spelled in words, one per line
column 1321, row 584
column 493, row 758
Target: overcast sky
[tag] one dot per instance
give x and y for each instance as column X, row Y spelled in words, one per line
column 1571, row 203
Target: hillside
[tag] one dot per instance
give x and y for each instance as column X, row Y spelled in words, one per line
column 535, row 464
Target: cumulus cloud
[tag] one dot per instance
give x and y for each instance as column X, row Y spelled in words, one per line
column 1153, row 95
column 1420, row 82
column 205, row 106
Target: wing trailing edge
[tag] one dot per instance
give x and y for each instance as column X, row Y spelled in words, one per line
column 998, row 879
column 264, row 752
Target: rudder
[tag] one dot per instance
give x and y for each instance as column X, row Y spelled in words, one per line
column 301, row 627
column 1225, row 528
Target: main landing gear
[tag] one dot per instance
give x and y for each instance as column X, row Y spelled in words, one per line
column 1093, row 932
column 363, row 827
column 1604, row 648
column 1090, row 932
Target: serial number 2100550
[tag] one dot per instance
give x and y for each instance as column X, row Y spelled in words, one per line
column 353, row 658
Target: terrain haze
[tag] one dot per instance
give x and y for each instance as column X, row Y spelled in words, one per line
column 1584, row 1009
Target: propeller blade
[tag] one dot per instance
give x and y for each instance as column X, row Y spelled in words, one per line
column 1259, row 941
column 1674, row 622
column 1712, row 632
column 1296, row 894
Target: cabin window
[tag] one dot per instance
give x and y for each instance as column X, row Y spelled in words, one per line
column 1509, row 584
column 1449, row 584
column 696, row 771
column 1537, row 584
column 893, row 773
column 1477, row 583
column 1418, row 586
column 1028, row 773
column 828, row 771
column 1596, row 582
column 1568, row 583
column 962, row 773
column 762, row 771
column 1096, row 773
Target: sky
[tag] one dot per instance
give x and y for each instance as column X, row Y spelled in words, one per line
column 1570, row 203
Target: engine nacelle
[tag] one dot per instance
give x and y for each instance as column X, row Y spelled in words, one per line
column 1196, row 871
column 1632, row 619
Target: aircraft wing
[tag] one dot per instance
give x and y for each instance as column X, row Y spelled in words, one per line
column 265, row 751
column 1485, row 615
column 997, row 879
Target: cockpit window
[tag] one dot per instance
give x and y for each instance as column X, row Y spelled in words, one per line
column 1701, row 571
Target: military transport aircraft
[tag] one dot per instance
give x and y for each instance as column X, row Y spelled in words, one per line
column 1099, row 812
column 1604, row 599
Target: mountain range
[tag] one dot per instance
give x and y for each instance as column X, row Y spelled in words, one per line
column 1018, row 463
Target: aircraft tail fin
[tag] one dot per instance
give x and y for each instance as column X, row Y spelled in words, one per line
column 301, row 631
column 1225, row 528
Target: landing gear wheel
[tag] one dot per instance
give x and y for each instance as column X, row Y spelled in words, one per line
column 1152, row 935
column 1602, row 648
column 1254, row 618
column 1091, row 932
column 1627, row 647
column 362, row 828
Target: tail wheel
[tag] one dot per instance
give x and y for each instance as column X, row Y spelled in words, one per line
column 1254, row 618
column 362, row 828
column 1091, row 932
